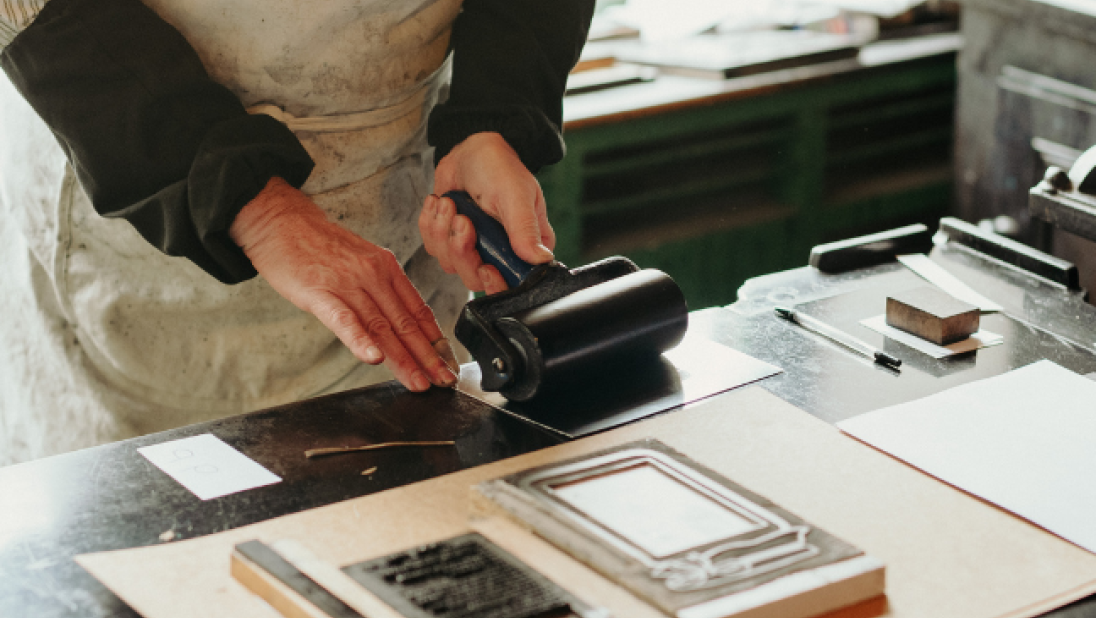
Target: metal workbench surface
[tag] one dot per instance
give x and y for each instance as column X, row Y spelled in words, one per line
column 1041, row 320
column 110, row 497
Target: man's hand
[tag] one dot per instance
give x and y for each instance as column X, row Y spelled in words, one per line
column 355, row 288
column 490, row 171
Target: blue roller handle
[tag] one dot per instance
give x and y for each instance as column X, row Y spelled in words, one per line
column 492, row 243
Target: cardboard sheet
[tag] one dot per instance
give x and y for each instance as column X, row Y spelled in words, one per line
column 1025, row 440
column 947, row 554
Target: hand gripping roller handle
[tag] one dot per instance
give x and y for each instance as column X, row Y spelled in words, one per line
column 555, row 325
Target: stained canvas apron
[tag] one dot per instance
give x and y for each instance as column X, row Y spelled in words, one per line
column 102, row 337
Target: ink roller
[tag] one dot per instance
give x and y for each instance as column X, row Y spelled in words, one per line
column 555, row 324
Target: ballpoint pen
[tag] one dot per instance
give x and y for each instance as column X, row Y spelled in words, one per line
column 838, row 336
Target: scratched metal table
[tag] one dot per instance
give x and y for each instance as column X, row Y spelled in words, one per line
column 1041, row 320
column 110, row 497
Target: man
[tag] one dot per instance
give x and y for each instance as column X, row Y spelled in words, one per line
column 130, row 250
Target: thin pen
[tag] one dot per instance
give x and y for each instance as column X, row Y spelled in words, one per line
column 838, row 336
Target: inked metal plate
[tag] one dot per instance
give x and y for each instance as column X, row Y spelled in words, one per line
column 696, row 369
column 462, row 577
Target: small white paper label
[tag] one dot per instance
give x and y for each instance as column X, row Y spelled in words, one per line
column 207, row 466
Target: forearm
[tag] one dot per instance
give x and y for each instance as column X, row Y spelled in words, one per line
column 150, row 136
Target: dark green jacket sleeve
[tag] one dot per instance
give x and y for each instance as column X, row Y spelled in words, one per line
column 510, row 64
column 150, row 136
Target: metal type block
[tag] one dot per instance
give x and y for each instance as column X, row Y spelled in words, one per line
column 932, row 314
column 465, row 577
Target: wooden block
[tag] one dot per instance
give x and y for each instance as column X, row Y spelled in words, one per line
column 298, row 584
column 282, row 593
column 932, row 314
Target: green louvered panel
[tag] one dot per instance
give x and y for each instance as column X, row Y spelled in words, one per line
column 720, row 193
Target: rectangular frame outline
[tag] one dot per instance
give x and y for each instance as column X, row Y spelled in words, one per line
column 540, row 484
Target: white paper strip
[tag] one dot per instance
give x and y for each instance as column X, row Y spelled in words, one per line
column 980, row 339
column 1023, row 441
column 936, row 275
column 207, row 466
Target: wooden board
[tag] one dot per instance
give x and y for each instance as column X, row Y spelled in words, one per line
column 947, row 554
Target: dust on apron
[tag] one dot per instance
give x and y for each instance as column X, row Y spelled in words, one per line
column 109, row 338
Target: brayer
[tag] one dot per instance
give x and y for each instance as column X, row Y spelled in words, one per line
column 554, row 324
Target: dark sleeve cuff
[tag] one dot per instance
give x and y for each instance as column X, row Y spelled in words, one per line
column 150, row 136
column 511, row 59
column 191, row 217
column 536, row 139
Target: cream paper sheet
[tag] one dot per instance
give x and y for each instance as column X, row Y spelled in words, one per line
column 948, row 555
column 1024, row 440
column 941, row 278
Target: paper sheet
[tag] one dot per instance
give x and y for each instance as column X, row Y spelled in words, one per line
column 1025, row 440
column 207, row 466
column 980, row 339
column 936, row 275
column 706, row 367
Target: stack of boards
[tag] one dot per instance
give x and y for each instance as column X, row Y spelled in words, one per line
column 680, row 537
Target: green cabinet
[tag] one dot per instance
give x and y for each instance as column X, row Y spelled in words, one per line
column 724, row 188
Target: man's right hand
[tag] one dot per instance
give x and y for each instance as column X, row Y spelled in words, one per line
column 355, row 288
column 490, row 171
